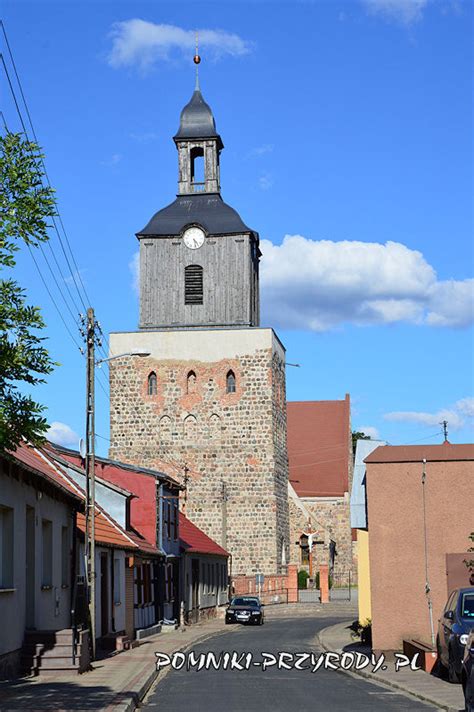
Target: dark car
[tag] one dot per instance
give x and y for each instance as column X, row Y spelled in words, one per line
column 454, row 627
column 245, row 609
column 467, row 673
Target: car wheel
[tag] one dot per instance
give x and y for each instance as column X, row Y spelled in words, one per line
column 453, row 676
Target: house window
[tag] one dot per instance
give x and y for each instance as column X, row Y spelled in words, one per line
column 193, row 284
column 230, row 382
column 169, row 584
column 65, row 568
column 152, row 384
column 47, row 558
column 191, row 382
column 166, row 516
column 6, row 547
column 117, row 581
column 168, row 519
column 175, row 519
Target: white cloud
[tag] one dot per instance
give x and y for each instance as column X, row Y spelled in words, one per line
column 369, row 430
column 458, row 416
column 261, row 150
column 140, row 43
column 319, row 285
column 62, row 434
column 113, row 160
column 134, row 267
column 405, row 12
column 265, row 181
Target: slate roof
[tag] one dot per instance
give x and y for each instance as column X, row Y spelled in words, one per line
column 319, row 447
column 197, row 120
column 205, row 209
column 446, row 452
column 193, row 541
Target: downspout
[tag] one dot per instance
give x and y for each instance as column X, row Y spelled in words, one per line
column 425, row 536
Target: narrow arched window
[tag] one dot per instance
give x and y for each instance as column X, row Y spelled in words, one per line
column 193, row 284
column 152, row 384
column 191, row 382
column 230, row 382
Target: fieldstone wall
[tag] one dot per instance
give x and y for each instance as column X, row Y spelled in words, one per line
column 232, row 446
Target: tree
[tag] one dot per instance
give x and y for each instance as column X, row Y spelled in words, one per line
column 26, row 205
column 356, row 435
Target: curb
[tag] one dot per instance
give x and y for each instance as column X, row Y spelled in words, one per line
column 388, row 683
column 138, row 696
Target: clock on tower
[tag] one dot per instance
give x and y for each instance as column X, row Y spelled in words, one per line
column 198, row 259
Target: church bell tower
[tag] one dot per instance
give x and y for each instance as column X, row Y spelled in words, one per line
column 207, row 403
column 198, row 259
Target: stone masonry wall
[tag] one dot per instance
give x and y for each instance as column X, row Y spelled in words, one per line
column 234, row 438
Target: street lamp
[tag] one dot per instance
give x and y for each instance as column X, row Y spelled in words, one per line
column 91, row 326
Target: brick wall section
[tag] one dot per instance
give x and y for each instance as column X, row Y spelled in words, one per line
column 238, row 438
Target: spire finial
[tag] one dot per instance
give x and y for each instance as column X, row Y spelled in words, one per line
column 197, row 60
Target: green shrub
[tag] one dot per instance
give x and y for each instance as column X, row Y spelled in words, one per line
column 303, row 576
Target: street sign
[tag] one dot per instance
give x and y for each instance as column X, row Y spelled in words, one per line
column 259, row 579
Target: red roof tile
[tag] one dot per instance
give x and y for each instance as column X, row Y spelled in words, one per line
column 416, row 453
column 319, row 447
column 34, row 460
column 193, row 541
column 107, row 531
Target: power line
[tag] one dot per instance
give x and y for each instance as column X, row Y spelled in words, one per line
column 42, row 161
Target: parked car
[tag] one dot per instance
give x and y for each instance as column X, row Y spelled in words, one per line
column 467, row 673
column 454, row 627
column 245, row 609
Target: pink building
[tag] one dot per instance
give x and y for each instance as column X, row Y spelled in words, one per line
column 404, row 507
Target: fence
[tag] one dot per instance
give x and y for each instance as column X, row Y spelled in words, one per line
column 341, row 585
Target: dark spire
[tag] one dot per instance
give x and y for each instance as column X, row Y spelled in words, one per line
column 197, row 120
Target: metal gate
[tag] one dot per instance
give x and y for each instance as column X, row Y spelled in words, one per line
column 340, row 585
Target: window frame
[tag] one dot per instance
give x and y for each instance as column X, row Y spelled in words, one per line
column 152, row 384
column 230, row 385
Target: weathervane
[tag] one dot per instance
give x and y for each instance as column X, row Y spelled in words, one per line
column 197, row 59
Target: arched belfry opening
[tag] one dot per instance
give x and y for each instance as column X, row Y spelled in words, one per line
column 198, row 178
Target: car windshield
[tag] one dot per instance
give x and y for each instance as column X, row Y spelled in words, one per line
column 467, row 606
column 254, row 602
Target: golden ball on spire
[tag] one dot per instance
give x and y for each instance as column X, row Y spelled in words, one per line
column 197, row 59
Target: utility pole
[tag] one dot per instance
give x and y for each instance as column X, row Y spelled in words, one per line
column 444, row 423
column 224, row 514
column 90, row 328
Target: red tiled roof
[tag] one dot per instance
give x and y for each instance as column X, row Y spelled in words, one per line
column 193, row 541
column 416, row 453
column 319, row 447
column 107, row 531
column 32, row 459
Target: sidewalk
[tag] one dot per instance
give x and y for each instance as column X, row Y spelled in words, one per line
column 428, row 688
column 117, row 683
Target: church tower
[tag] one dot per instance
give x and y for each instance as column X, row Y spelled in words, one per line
column 208, row 402
column 198, row 260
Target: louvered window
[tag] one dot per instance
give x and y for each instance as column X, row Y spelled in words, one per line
column 193, row 290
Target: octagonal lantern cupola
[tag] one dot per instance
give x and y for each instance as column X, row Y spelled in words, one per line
column 199, row 146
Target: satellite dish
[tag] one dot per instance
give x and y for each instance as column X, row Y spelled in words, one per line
column 82, row 448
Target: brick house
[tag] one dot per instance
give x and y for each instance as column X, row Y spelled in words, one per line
column 320, row 474
column 409, row 500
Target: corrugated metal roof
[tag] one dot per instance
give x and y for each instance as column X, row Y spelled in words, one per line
column 416, row 453
column 319, row 447
column 193, row 541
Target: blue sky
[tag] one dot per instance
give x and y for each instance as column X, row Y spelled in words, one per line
column 348, row 147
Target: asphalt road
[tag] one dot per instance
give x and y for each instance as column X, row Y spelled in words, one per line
column 258, row 690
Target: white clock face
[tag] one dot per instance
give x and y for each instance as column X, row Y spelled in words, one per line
column 194, row 237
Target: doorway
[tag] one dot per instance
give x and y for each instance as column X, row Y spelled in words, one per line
column 30, row 557
column 194, row 590
column 104, row 595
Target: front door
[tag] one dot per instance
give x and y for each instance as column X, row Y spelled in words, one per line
column 195, row 590
column 30, row 568
column 104, row 595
